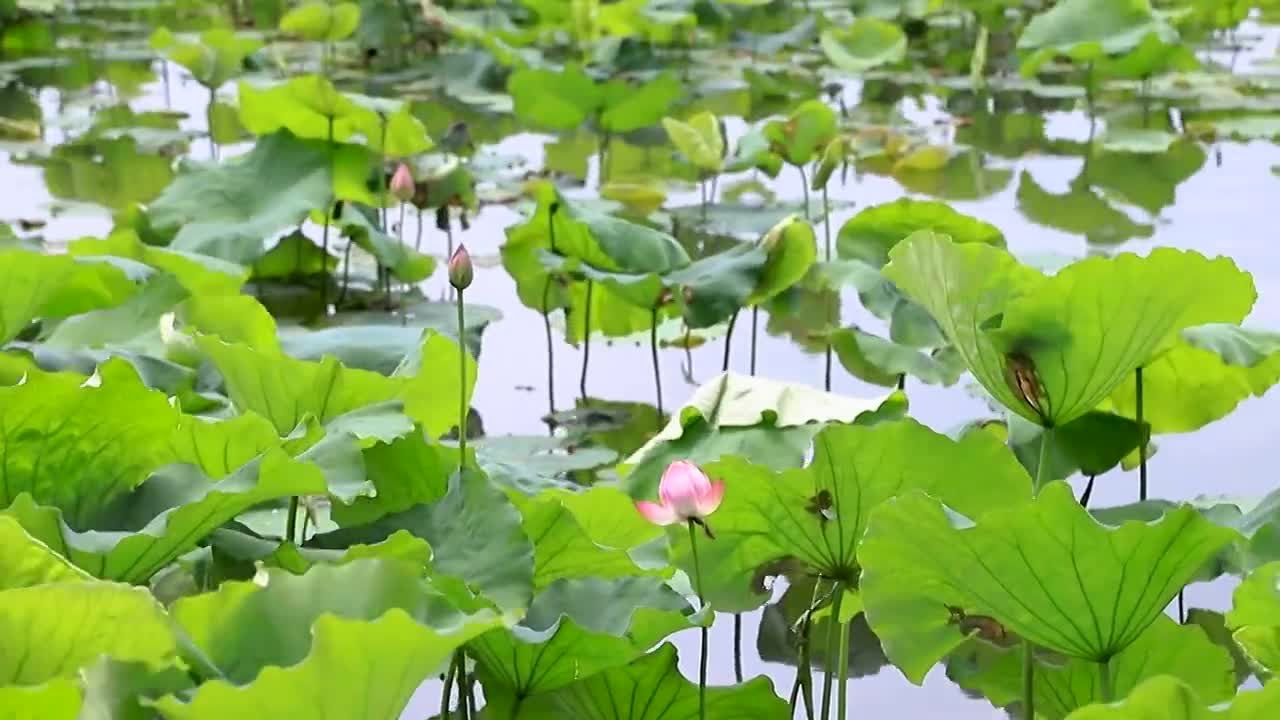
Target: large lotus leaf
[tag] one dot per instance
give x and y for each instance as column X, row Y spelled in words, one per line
column 78, row 446
column 1164, row 649
column 243, row 627
column 1091, row 444
column 357, row 669
column 866, row 43
column 554, row 100
column 180, row 510
column 114, row 173
column 764, row 421
column 878, row 361
column 1165, row 697
column 876, row 230
column 1048, row 571
column 25, row 561
column 1079, row 211
column 286, row 390
column 58, row 699
column 474, row 532
column 115, row 690
column 322, row 21
column 712, row 288
column 561, row 547
column 405, row 263
column 628, row 106
column 700, row 140
column 230, row 209
column 804, row 134
column 793, row 249
column 779, row 637
column 1089, row 30
column 35, row 285
column 405, row 472
column 1255, row 616
column 364, row 339
column 659, row 691
column 1081, row 331
column 199, row 274
column 53, row 631
column 577, row 628
column 217, row 58
column 817, row 514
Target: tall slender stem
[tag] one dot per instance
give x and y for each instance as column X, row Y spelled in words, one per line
column 1044, row 456
column 546, row 318
column 1088, row 492
column 291, row 523
column 832, row 645
column 804, row 673
column 842, row 699
column 755, row 319
column 702, row 604
column 1182, row 606
column 446, row 697
column 463, row 710
column 1142, row 437
column 653, row 351
column 324, row 240
column 826, row 255
column 208, row 119
column 462, row 374
column 1104, row 681
column 586, row 341
column 1028, row 682
column 728, row 340
column 737, row 647
column 804, row 186
column 417, row 242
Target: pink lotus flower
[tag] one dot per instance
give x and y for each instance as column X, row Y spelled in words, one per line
column 685, row 494
column 402, row 183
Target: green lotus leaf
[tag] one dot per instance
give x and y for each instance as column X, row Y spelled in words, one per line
column 561, row 547
column 25, row 561
column 1081, row 331
column 866, row 43
column 114, row 173
column 713, row 288
column 475, row 533
column 53, row 631
column 1089, row 31
column 879, row 361
column 804, row 134
column 779, row 638
column 576, row 628
column 919, row 557
column 228, row 210
column 1079, row 211
column 51, row 286
column 665, row 692
column 404, row 262
column 199, row 274
column 364, row 340
column 407, row 471
column 216, row 59
column 334, row 676
column 1166, row 697
column 1165, row 648
column 322, row 21
column 286, row 391
column 80, row 448
column 173, row 511
column 870, row 235
column 793, row 249
column 1255, row 616
column 628, row 107
column 1091, row 444
column 700, row 140
column 58, row 699
column 554, row 100
column 118, row 690
column 817, row 514
column 764, row 421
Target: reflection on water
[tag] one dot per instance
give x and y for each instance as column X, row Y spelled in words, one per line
column 1055, row 181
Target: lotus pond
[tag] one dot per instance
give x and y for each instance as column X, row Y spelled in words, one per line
column 805, row 359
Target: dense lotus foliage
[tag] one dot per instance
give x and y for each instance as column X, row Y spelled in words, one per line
column 241, row 474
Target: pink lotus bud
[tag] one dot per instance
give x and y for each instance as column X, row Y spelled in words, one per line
column 461, row 271
column 402, row 183
column 685, row 493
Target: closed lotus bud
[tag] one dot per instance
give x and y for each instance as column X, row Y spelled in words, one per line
column 402, row 183
column 460, row 270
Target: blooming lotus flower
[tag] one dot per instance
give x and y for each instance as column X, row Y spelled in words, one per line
column 402, row 183
column 460, row 269
column 685, row 494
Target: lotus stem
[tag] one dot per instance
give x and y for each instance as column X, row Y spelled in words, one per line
column 1044, row 457
column 1182, row 609
column 417, row 242
column 462, row 387
column 737, row 647
column 447, row 694
column 346, row 273
column 902, row 382
column 831, row 650
column 657, row 370
column 1104, row 681
column 324, row 243
column 464, row 711
column 842, row 699
column 1028, row 682
column 1088, row 492
column 208, row 118
column 826, row 229
column 291, row 523
column 755, row 320
column 728, row 340
column 715, row 183
column 586, row 341
column 1142, row 440
column 702, row 192
column 804, row 187
column 551, row 358
column 702, row 604
column 804, row 665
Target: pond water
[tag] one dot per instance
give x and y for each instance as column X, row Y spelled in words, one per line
column 1226, row 206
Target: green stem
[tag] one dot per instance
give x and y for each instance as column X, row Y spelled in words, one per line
column 1028, row 682
column 842, row 702
column 737, row 647
column 728, row 341
column 291, row 524
column 447, row 696
column 657, row 370
column 324, row 241
column 586, row 341
column 804, row 665
column 755, row 321
column 1142, row 437
column 832, row 644
column 804, row 187
column 462, row 374
column 702, row 604
column 1104, row 681
column 461, row 659
column 1044, row 456
column 551, row 358
column 826, row 224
